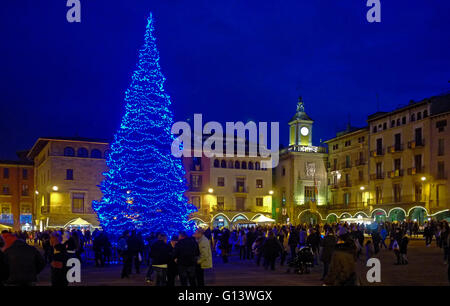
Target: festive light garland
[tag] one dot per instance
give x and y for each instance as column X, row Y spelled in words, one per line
column 144, row 186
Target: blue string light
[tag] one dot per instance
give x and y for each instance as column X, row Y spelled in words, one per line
column 144, row 186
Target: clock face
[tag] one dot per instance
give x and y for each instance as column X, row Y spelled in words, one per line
column 304, row 131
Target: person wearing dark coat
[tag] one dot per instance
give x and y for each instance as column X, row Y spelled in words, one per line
column 98, row 247
column 3, row 267
column 24, row 262
column 271, row 249
column 172, row 268
column 135, row 246
column 59, row 266
column 160, row 254
column 343, row 264
column 328, row 245
column 185, row 255
column 293, row 241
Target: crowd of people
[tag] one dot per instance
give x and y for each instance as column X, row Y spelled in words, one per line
column 336, row 247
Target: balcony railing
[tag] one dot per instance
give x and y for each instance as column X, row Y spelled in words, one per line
column 346, row 184
column 414, row 144
column 341, row 206
column 395, row 148
column 395, row 173
column 441, row 176
column 196, row 168
column 377, row 176
column 240, row 189
column 360, row 162
column 195, row 188
column 415, row 170
column 346, row 165
column 377, row 152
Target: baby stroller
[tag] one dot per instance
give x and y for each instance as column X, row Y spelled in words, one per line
column 302, row 261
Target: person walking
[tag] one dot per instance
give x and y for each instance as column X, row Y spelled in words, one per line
column 205, row 259
column 293, row 241
column 185, row 255
column 328, row 245
column 24, row 262
column 404, row 249
column 135, row 247
column 122, row 249
column 172, row 269
column 59, row 266
column 271, row 249
column 160, row 255
column 242, row 245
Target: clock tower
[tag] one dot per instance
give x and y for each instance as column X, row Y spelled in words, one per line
column 300, row 127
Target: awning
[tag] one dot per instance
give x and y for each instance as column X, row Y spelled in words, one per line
column 59, row 221
column 5, row 227
column 263, row 219
column 78, row 222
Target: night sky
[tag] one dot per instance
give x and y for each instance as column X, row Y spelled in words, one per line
column 233, row 60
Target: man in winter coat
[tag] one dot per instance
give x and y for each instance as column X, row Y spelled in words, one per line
column 160, row 255
column 343, row 264
column 205, row 259
column 185, row 254
column 59, row 266
column 271, row 249
column 328, row 245
column 293, row 241
column 24, row 262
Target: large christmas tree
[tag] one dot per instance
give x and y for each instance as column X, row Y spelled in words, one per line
column 144, row 186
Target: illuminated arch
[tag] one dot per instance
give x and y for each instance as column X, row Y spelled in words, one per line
column 219, row 214
column 237, row 215
column 389, row 214
column 360, row 212
column 256, row 216
column 331, row 214
column 197, row 218
column 345, row 213
column 316, row 212
column 439, row 212
column 421, row 207
column 381, row 209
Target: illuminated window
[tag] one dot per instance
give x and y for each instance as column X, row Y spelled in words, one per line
column 259, row 201
column 25, row 190
column 78, row 202
column 259, row 183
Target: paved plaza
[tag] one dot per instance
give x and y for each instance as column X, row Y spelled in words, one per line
column 426, row 267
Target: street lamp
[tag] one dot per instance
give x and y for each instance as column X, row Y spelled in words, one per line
column 362, row 188
column 423, row 178
column 210, row 190
column 270, row 192
column 55, row 188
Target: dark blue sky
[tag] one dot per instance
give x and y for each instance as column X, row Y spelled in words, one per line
column 229, row 60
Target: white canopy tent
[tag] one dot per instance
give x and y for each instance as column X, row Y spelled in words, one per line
column 263, row 219
column 78, row 222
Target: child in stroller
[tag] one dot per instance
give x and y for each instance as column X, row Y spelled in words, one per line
column 302, row 261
